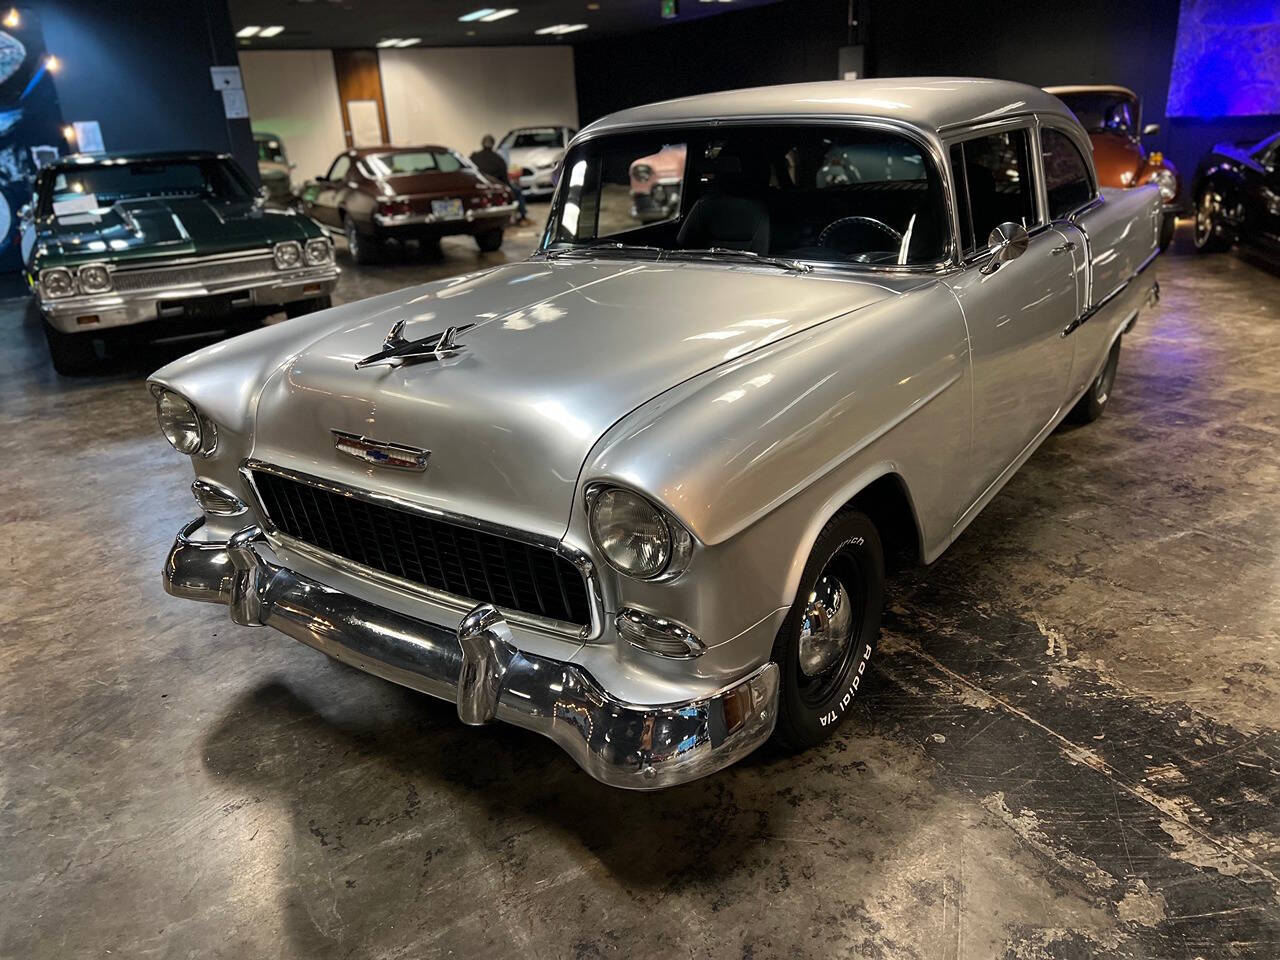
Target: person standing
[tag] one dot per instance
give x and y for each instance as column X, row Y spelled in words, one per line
column 489, row 162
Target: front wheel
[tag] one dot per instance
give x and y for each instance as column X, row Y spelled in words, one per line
column 1208, row 234
column 825, row 645
column 72, row 353
column 1089, row 407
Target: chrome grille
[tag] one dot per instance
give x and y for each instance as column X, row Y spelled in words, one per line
column 474, row 564
column 195, row 274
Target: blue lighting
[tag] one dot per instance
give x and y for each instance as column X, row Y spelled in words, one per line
column 1224, row 60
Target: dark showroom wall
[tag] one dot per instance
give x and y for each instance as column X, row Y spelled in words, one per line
column 141, row 69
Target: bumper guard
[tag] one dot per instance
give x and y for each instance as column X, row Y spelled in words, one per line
column 478, row 666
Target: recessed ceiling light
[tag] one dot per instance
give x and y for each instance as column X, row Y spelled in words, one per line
column 410, row 42
column 561, row 28
column 499, row 14
column 248, row 31
column 476, row 14
column 391, row 42
column 271, row 31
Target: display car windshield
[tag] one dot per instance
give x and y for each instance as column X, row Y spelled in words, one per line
column 270, row 151
column 110, row 182
column 410, row 163
column 827, row 194
column 550, row 137
column 1104, row 112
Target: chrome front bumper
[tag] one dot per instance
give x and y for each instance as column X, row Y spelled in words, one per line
column 118, row 309
column 477, row 666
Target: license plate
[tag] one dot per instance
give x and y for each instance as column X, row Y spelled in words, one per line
column 446, row 209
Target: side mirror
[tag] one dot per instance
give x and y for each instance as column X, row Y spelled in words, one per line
column 1151, row 129
column 1007, row 242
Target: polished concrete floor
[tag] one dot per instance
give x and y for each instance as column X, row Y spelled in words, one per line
column 1070, row 749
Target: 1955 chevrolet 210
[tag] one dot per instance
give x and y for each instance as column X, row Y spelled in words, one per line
column 635, row 493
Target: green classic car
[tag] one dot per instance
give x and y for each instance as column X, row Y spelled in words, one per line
column 165, row 245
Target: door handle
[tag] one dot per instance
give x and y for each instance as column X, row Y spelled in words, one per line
column 1066, row 246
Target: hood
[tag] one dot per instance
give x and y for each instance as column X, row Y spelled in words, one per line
column 454, row 183
column 132, row 229
column 534, row 157
column 558, row 353
column 1115, row 156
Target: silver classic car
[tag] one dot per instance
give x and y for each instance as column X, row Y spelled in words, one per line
column 636, row 492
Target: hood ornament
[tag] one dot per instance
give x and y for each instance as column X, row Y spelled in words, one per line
column 436, row 346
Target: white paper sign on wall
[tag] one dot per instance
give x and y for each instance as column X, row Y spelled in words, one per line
column 235, row 105
column 226, row 78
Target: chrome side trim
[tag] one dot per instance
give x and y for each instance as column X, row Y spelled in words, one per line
column 1084, row 318
column 622, row 744
column 451, row 601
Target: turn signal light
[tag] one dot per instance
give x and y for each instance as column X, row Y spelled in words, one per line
column 394, row 208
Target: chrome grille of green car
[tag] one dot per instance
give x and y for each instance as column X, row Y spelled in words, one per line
column 194, row 274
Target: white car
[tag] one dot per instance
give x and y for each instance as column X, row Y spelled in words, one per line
column 532, row 154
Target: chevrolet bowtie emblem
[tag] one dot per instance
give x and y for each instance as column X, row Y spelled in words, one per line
column 437, row 346
column 379, row 452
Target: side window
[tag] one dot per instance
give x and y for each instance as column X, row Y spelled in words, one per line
column 339, row 169
column 994, row 177
column 1066, row 174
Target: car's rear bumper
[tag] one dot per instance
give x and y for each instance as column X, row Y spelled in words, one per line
column 415, row 226
column 85, row 314
column 477, row 666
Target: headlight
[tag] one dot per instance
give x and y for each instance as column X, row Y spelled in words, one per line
column 634, row 536
column 641, row 172
column 57, row 282
column 94, row 278
column 288, row 255
column 179, row 422
column 318, row 251
column 1166, row 181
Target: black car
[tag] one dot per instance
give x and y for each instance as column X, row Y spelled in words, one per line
column 1237, row 197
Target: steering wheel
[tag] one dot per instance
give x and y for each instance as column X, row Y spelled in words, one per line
column 850, row 221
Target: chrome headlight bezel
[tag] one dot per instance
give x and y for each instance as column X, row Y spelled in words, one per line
column 182, row 425
column 1166, row 181
column 94, row 278
column 287, row 255
column 58, row 273
column 318, row 252
column 674, row 542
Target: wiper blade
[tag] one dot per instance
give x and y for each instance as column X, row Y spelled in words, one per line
column 603, row 247
column 749, row 255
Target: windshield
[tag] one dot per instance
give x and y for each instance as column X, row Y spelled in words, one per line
column 207, row 178
column 834, row 194
column 518, row 139
column 409, row 163
column 270, row 151
column 1104, row 112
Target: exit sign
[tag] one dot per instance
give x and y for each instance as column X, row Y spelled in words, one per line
column 670, row 9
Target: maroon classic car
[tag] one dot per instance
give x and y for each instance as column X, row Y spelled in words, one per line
column 378, row 195
column 1113, row 117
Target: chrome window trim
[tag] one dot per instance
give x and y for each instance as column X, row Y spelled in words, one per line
column 453, row 601
column 918, row 135
column 962, row 133
column 1097, row 199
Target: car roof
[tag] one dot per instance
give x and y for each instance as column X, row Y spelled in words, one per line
column 929, row 103
column 1091, row 88
column 92, row 159
column 420, row 148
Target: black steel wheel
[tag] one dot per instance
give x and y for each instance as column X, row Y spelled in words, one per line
column 825, row 645
column 1089, row 407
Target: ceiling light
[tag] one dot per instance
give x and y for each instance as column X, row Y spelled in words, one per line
column 412, row 41
column 561, row 28
column 499, row 14
column 13, row 21
column 476, row 14
column 271, row 31
column 52, row 63
column 248, row 31
column 391, row 42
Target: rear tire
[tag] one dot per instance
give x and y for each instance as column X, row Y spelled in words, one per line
column 363, row 249
column 826, row 642
column 489, row 241
column 1168, row 224
column 1090, row 407
column 1208, row 231
column 72, row 353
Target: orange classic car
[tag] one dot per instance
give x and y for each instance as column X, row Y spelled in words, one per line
column 1113, row 117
